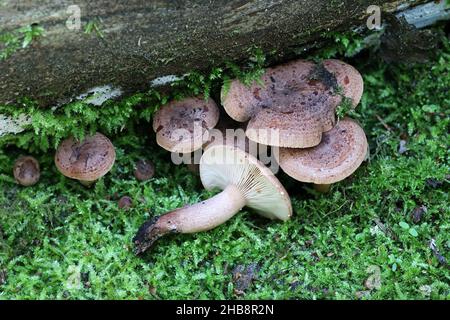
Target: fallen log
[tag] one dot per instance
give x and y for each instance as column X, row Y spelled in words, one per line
column 127, row 44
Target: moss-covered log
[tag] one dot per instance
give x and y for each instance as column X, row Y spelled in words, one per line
column 127, row 44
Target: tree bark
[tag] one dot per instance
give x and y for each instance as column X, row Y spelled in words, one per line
column 143, row 40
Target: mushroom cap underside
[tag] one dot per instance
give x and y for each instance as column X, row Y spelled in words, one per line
column 224, row 165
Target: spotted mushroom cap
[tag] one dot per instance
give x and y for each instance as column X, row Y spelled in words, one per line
column 296, row 104
column 86, row 160
column 348, row 78
column 27, row 171
column 224, row 165
column 182, row 126
column 340, row 153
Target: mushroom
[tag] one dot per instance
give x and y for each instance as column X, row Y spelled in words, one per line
column 87, row 160
column 125, row 203
column 145, row 170
column 182, row 126
column 26, row 171
column 244, row 181
column 296, row 104
column 339, row 154
column 226, row 131
column 229, row 133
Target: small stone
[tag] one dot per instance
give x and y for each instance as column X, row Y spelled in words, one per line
column 243, row 277
column 362, row 294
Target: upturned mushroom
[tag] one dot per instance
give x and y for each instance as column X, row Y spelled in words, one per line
column 339, row 154
column 87, row 160
column 182, row 126
column 296, row 104
column 26, row 171
column 244, row 181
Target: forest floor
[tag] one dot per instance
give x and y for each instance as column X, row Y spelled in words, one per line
column 383, row 233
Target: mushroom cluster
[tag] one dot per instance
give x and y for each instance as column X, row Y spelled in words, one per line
column 294, row 111
column 86, row 161
column 296, row 103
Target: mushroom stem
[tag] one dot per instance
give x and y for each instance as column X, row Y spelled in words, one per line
column 87, row 183
column 194, row 168
column 322, row 188
column 201, row 216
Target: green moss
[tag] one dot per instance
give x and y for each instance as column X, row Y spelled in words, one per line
column 344, row 44
column 49, row 126
column 93, row 26
column 61, row 240
column 18, row 39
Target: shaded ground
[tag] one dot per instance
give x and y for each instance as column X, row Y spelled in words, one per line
column 383, row 233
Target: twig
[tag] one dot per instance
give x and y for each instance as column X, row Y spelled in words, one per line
column 383, row 123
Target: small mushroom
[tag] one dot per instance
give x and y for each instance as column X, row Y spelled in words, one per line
column 244, row 181
column 296, row 104
column 340, row 153
column 87, row 160
column 26, row 171
column 182, row 126
column 145, row 170
column 125, row 203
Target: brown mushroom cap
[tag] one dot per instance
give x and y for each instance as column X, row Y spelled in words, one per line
column 296, row 104
column 348, row 78
column 182, row 126
column 125, row 203
column 340, row 153
column 86, row 160
column 145, row 170
column 27, row 171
